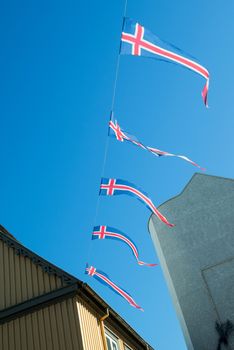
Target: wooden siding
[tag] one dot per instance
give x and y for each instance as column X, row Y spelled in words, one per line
column 91, row 332
column 21, row 279
column 71, row 324
column 52, row 328
column 90, row 327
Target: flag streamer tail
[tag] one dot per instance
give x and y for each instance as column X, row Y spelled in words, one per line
column 156, row 152
column 102, row 231
column 205, row 93
column 142, row 263
column 104, row 279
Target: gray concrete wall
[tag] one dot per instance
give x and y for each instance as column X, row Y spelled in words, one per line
column 197, row 257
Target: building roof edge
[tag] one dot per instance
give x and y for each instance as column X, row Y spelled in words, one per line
column 69, row 280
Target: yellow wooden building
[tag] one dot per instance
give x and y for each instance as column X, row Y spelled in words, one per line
column 44, row 308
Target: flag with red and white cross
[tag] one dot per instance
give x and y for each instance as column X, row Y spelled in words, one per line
column 106, row 232
column 122, row 135
column 119, row 134
column 138, row 41
column 113, row 187
column 105, row 280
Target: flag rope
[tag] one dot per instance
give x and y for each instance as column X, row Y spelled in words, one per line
column 107, row 137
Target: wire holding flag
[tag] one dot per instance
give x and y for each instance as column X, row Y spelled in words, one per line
column 122, row 136
column 104, row 279
column 103, row 232
column 138, row 41
column 112, row 187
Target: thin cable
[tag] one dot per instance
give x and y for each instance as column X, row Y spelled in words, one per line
column 115, row 84
column 118, row 61
column 107, row 137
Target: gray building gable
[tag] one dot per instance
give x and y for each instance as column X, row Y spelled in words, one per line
column 197, row 257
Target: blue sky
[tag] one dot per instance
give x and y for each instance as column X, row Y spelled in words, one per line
column 57, row 71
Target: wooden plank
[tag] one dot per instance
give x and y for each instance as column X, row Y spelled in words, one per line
column 6, row 276
column 40, row 277
column 47, row 282
column 12, row 276
column 66, row 327
column 11, row 335
column 54, row 329
column 42, row 334
column 35, row 285
column 52, row 282
column 24, row 289
column 28, row 266
column 23, row 333
column 29, row 332
column 58, row 282
column 78, row 321
column 1, row 337
column 49, row 342
column 82, row 323
column 61, row 335
column 17, row 334
column 18, row 285
column 87, row 327
column 35, row 327
column 5, row 337
column 72, row 323
column 2, row 289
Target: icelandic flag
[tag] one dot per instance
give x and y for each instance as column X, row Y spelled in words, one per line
column 138, row 41
column 105, row 280
column 113, row 187
column 103, row 232
column 122, row 136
